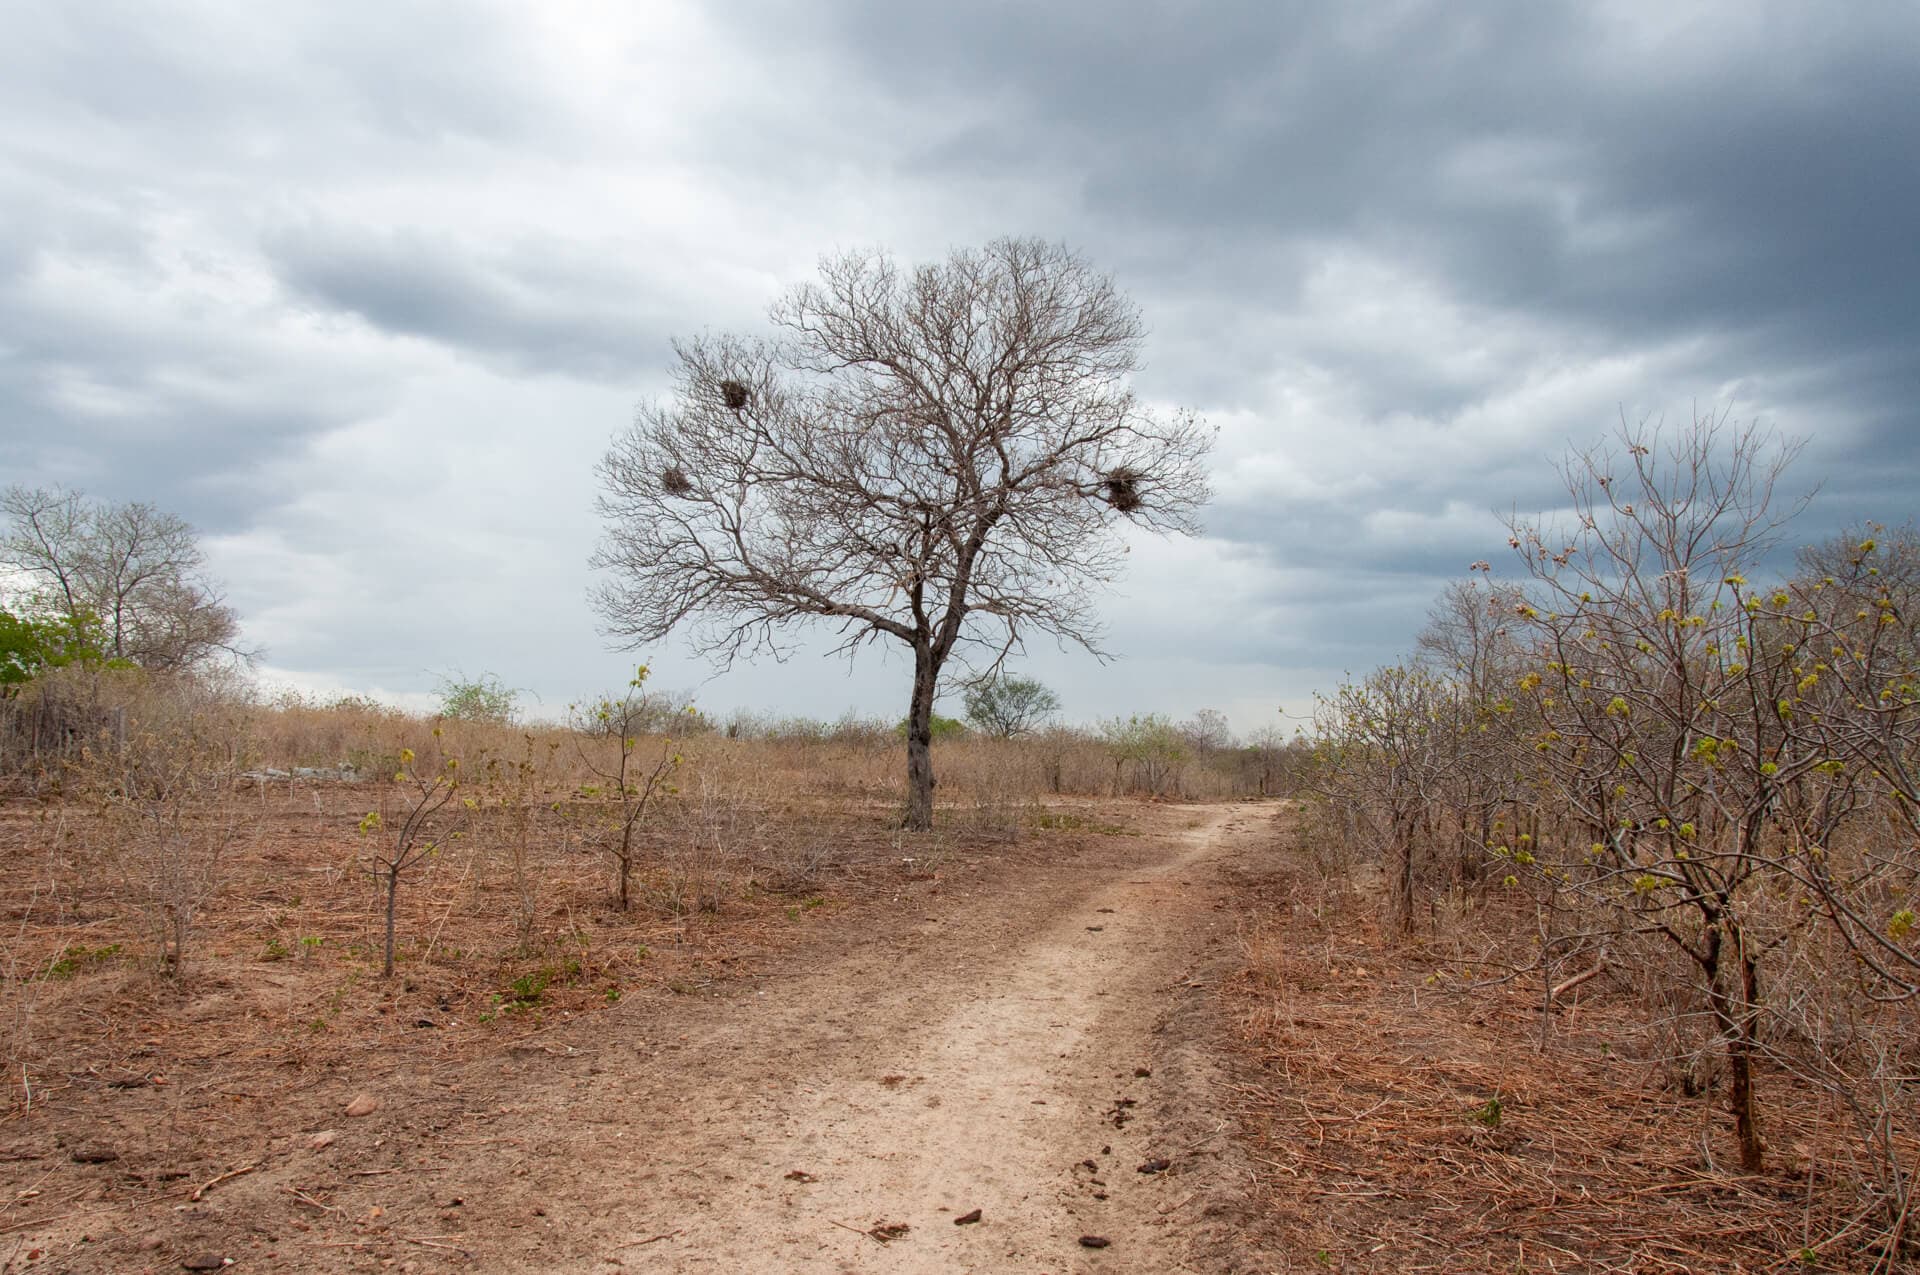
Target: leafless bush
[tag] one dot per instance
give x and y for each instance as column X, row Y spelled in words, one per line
column 714, row 837
column 798, row 864
column 514, row 793
column 160, row 794
column 25, row 980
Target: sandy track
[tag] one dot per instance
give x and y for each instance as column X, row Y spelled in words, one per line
column 980, row 1072
column 1016, row 1041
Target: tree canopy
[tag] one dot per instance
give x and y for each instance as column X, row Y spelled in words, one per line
column 1008, row 707
column 936, row 456
column 129, row 571
column 30, row 645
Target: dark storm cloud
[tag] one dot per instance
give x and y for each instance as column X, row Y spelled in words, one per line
column 537, row 307
column 184, row 414
column 1539, row 155
column 1636, row 177
column 135, row 359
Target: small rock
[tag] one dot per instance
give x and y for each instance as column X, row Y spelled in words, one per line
column 95, row 1155
column 1094, row 1241
column 1155, row 1166
column 363, row 1105
column 151, row 1243
column 966, row 1218
column 207, row 1262
column 1143, row 1072
column 323, row 1139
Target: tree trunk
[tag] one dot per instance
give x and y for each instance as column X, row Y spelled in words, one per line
column 920, row 744
column 1403, row 822
column 1740, row 1051
column 1734, row 1018
column 1746, row 1125
column 626, row 861
column 393, row 890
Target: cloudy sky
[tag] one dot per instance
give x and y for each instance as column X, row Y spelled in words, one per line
column 364, row 290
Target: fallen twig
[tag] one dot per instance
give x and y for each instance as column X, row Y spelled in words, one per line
column 211, row 1183
column 1587, row 975
column 304, row 1198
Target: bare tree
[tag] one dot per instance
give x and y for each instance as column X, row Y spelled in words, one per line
column 428, row 820
column 1468, row 640
column 1385, row 751
column 936, row 456
column 1208, row 731
column 1706, row 782
column 631, row 781
column 129, row 569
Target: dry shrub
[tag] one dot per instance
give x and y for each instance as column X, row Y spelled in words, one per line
column 26, row 972
column 1376, row 1061
column 158, row 781
column 716, row 836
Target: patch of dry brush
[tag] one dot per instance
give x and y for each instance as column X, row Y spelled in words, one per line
column 1412, row 1112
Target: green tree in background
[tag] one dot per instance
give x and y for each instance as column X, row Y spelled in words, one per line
column 1008, row 707
column 30, row 645
column 130, row 570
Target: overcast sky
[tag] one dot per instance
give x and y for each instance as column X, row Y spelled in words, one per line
column 364, row 290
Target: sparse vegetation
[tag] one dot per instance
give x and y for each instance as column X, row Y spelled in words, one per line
column 628, row 784
column 426, row 819
column 1633, row 832
column 1668, row 765
column 164, row 833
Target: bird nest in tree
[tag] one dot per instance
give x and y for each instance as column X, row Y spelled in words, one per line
column 674, row 482
column 733, row 394
column 1122, row 487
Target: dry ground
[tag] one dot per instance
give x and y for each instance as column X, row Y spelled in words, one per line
column 831, row 1076
column 1014, row 1029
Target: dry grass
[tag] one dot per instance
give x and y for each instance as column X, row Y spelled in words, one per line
column 125, row 1086
column 1409, row 1119
column 290, row 946
column 507, row 927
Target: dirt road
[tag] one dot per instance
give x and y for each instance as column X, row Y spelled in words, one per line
column 1019, row 1043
